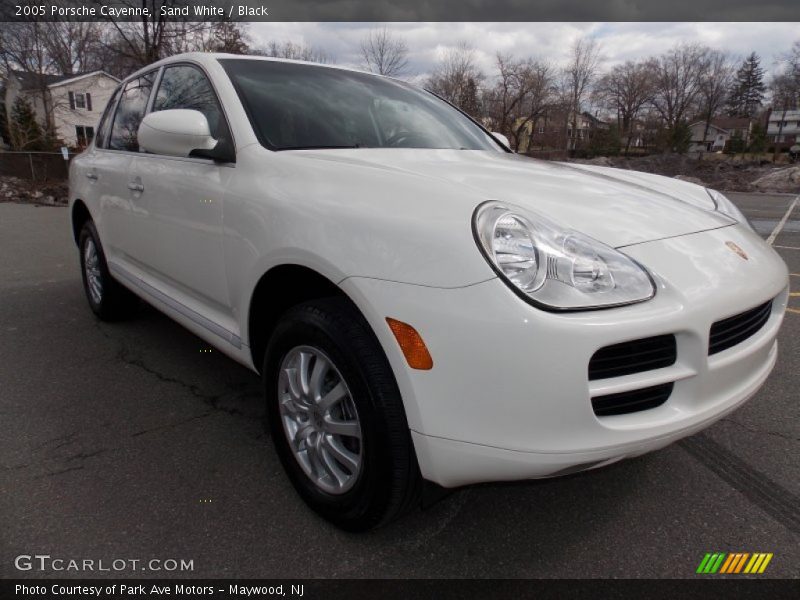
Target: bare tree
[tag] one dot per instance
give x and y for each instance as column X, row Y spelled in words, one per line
column 677, row 76
column 540, row 99
column 384, row 53
column 294, row 51
column 715, row 81
column 626, row 89
column 455, row 72
column 74, row 47
column 578, row 76
column 522, row 93
column 504, row 101
column 24, row 47
column 153, row 37
column 785, row 85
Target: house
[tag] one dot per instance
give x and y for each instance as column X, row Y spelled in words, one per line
column 721, row 131
column 551, row 130
column 783, row 127
column 70, row 105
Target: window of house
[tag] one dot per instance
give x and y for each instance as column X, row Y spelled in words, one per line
column 130, row 111
column 84, row 134
column 80, row 101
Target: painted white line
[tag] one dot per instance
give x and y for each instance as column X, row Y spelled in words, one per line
column 787, row 247
column 780, row 225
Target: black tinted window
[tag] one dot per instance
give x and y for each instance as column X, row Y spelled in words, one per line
column 184, row 86
column 105, row 121
column 132, row 104
column 300, row 106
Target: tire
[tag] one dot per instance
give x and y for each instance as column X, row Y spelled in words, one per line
column 386, row 482
column 109, row 300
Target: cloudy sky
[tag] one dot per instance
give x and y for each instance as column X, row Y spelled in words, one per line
column 620, row 41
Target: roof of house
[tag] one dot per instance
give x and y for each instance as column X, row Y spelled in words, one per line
column 732, row 122
column 726, row 124
column 29, row 80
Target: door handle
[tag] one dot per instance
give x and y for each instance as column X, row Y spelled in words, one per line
column 91, row 175
column 135, row 187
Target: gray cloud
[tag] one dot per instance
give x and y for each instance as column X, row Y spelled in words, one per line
column 550, row 41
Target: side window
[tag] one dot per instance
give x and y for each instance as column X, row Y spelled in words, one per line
column 105, row 120
column 184, row 86
column 130, row 112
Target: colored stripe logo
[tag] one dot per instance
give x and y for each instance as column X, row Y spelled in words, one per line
column 734, row 562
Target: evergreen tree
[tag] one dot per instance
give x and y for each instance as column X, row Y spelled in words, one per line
column 24, row 131
column 747, row 92
column 468, row 99
column 229, row 37
column 758, row 139
column 4, row 120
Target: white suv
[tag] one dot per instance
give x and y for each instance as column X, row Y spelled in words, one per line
column 424, row 306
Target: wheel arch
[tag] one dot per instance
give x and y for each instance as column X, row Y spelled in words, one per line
column 277, row 290
column 80, row 215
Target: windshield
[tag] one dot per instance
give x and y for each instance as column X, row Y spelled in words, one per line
column 296, row 106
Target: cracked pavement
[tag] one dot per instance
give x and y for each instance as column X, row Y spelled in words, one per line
column 115, row 436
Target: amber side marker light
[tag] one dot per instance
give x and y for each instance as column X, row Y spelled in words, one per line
column 411, row 344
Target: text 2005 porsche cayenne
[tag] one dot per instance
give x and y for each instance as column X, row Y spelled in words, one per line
column 423, row 305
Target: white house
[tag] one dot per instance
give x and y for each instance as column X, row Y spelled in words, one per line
column 783, row 126
column 72, row 104
column 720, row 131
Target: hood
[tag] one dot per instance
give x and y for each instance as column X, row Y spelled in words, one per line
column 614, row 206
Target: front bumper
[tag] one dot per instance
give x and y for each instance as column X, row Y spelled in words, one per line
column 509, row 395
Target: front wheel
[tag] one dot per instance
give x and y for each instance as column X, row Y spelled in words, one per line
column 337, row 418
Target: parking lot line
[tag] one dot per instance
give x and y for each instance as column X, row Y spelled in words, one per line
column 782, row 222
column 793, row 310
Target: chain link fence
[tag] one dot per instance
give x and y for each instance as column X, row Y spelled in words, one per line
column 36, row 166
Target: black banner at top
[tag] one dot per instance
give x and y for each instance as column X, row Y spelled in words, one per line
column 401, row 10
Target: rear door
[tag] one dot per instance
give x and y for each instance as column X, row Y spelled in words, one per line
column 103, row 177
column 121, row 213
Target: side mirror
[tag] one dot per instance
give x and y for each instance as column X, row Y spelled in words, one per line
column 502, row 139
column 176, row 132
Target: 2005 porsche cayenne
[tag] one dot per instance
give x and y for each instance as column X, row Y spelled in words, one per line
column 422, row 304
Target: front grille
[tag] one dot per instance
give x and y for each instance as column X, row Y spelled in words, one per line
column 633, row 401
column 633, row 357
column 734, row 330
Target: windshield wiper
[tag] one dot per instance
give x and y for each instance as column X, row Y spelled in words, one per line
column 329, row 147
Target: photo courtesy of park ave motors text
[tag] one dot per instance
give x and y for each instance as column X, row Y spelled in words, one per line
column 332, row 292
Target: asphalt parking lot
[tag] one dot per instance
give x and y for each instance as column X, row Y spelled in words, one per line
column 126, row 441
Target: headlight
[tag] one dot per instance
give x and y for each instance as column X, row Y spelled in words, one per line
column 554, row 267
column 726, row 207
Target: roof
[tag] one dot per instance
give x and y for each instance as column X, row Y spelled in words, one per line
column 29, row 80
column 726, row 124
column 732, row 122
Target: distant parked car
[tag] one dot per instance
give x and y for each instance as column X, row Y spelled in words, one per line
column 424, row 306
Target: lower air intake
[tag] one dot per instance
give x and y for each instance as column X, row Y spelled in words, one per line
column 633, row 401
